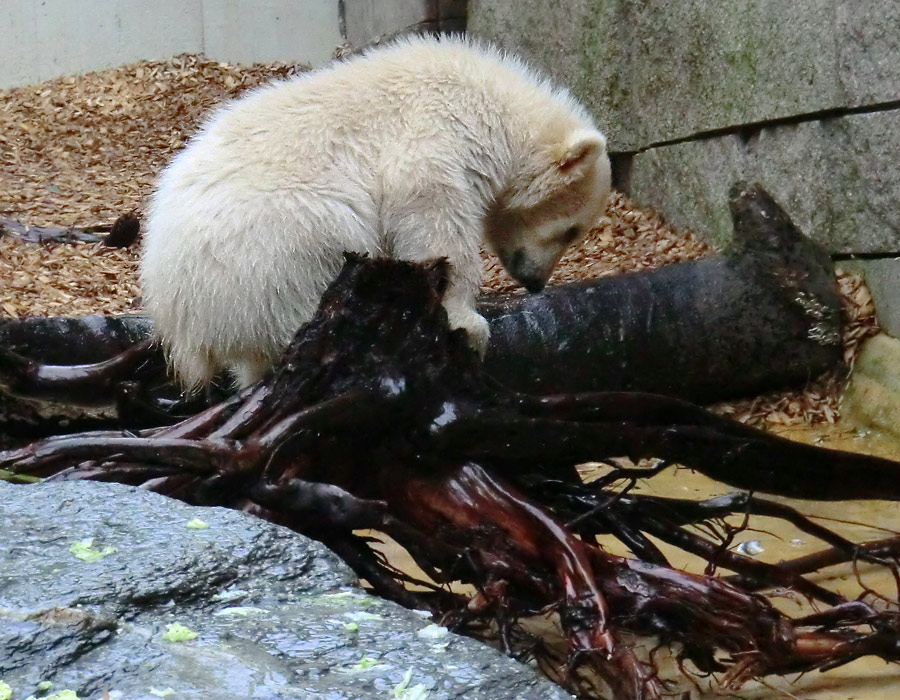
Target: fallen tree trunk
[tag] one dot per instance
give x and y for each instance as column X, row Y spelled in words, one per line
column 379, row 417
column 765, row 315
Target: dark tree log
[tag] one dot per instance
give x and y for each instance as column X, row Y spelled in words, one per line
column 78, row 340
column 763, row 316
column 62, row 375
column 66, row 368
column 378, row 416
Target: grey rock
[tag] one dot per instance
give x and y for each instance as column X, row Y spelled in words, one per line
column 871, row 399
column 837, row 178
column 581, row 44
column 278, row 616
column 655, row 71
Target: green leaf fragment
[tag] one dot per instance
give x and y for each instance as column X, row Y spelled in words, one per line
column 361, row 615
column 161, row 693
column 228, row 596
column 432, row 632
column 365, row 663
column 43, row 686
column 62, row 695
column 176, row 632
column 85, row 550
column 240, row 611
column 402, row 691
column 351, row 627
column 196, row 524
column 5, row 691
column 6, row 475
column 417, row 692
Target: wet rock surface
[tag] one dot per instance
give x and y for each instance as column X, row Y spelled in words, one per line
column 93, row 575
column 872, row 397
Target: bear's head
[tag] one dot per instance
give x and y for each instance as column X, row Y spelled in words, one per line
column 558, row 195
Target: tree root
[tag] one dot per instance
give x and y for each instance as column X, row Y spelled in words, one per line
column 379, row 418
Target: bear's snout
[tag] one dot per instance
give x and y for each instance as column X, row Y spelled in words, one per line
column 524, row 271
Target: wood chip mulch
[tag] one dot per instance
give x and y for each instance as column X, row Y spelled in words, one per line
column 66, row 280
column 80, row 151
column 627, row 239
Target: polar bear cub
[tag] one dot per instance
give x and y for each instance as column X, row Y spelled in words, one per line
column 422, row 149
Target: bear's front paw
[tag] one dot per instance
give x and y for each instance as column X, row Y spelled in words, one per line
column 476, row 327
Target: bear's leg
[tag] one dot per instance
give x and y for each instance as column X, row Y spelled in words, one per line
column 461, row 313
column 249, row 369
column 428, row 220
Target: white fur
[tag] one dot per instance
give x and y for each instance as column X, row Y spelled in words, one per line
column 422, row 149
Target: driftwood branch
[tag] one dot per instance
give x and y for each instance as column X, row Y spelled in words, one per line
column 120, row 234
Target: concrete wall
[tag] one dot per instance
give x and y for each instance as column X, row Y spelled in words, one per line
column 52, row 38
column 365, row 20
column 252, row 31
column 48, row 39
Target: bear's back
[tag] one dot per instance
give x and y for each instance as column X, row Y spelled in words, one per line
column 421, row 86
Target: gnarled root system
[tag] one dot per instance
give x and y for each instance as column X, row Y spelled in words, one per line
column 379, row 418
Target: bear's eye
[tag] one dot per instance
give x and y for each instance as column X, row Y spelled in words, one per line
column 569, row 235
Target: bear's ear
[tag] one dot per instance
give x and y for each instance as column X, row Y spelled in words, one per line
column 581, row 151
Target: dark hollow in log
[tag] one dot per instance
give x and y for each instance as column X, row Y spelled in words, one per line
column 378, row 416
column 124, row 232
